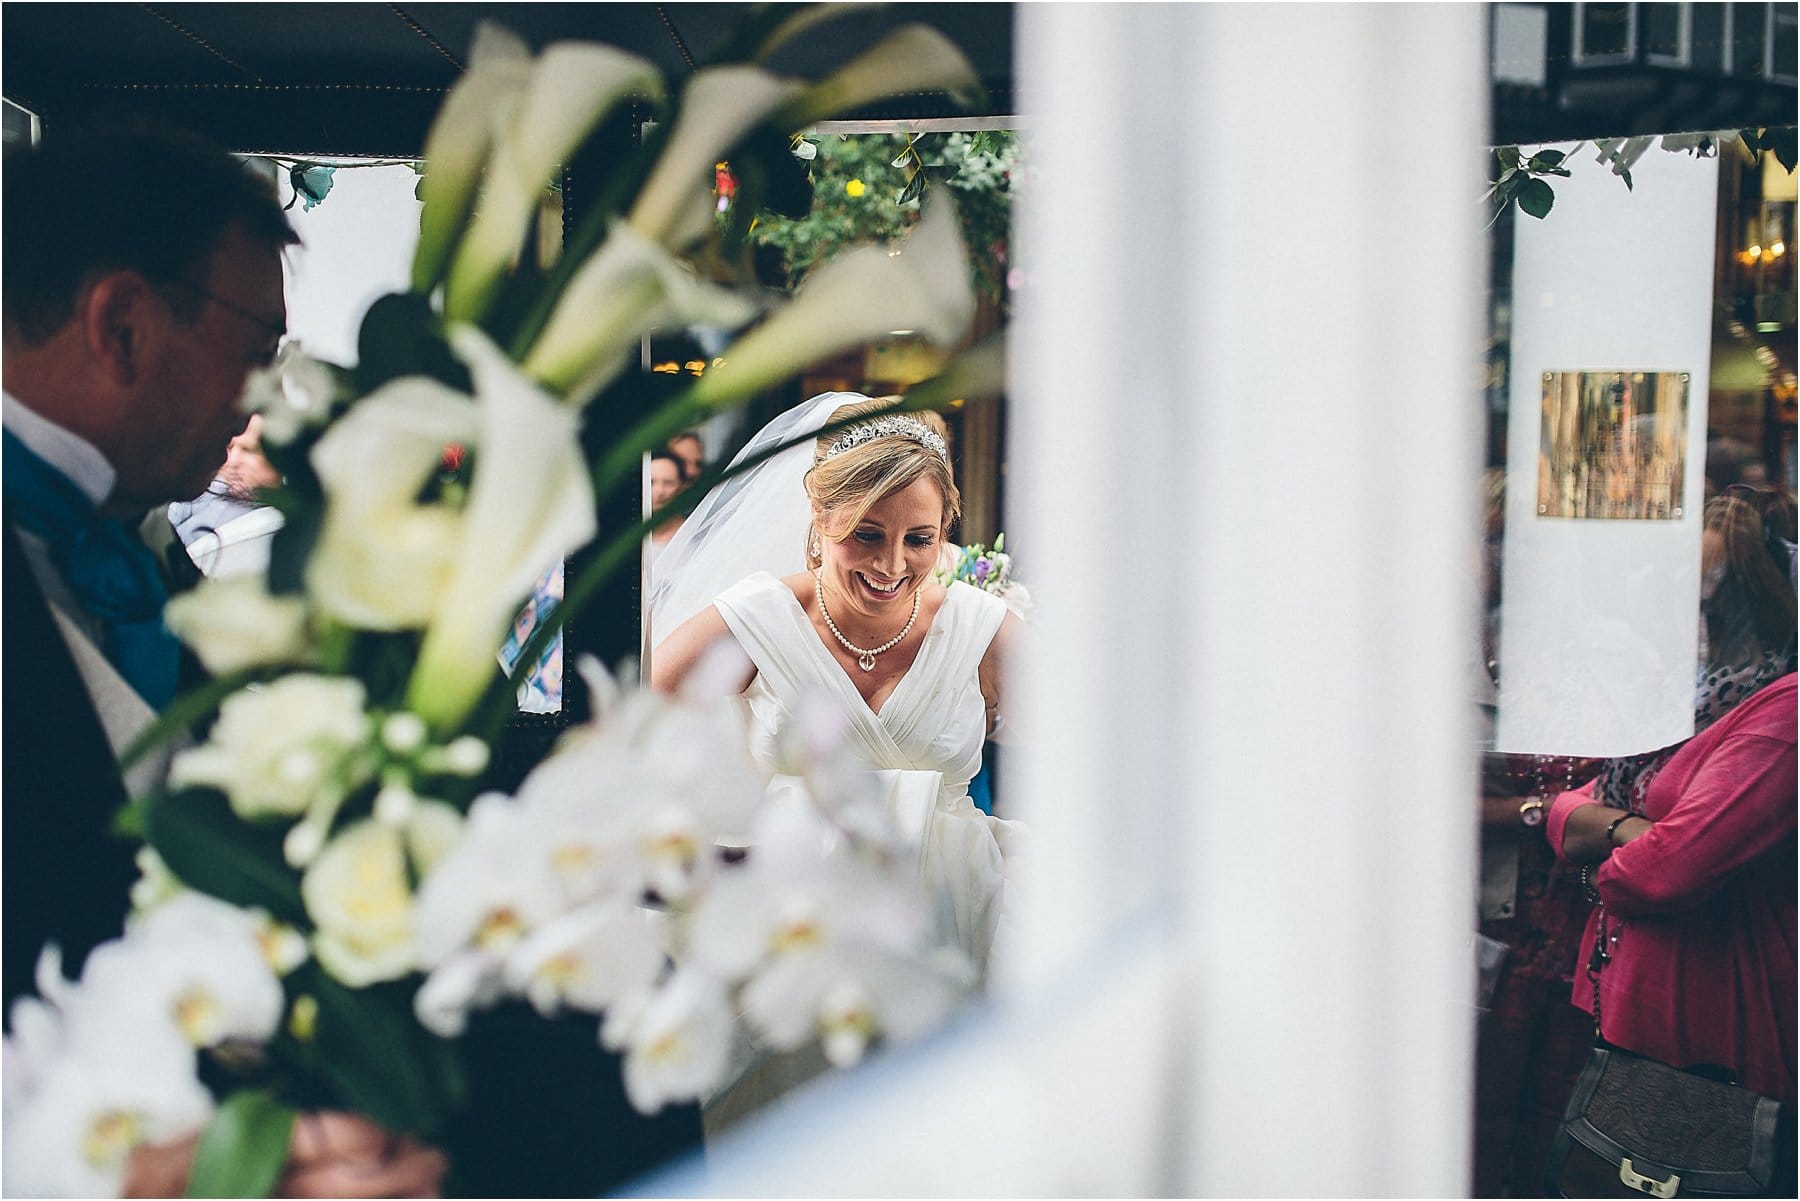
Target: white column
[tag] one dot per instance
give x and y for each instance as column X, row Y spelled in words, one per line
column 1248, row 413
column 1245, row 412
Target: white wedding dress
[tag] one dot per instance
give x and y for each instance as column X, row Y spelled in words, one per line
column 925, row 746
column 925, row 741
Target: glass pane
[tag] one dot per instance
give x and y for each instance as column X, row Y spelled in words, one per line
column 1706, row 42
column 1749, row 37
column 1659, row 29
column 1614, row 444
column 1605, row 29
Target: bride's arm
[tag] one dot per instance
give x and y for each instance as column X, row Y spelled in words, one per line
column 1007, row 641
column 676, row 656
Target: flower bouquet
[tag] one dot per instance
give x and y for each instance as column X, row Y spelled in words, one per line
column 991, row 571
column 331, row 886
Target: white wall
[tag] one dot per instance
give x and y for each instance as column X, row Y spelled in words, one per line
column 357, row 245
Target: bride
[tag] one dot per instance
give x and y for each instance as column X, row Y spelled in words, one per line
column 820, row 565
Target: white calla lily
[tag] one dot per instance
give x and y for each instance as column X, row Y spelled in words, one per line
column 383, row 559
column 854, row 299
column 808, row 17
column 629, row 287
column 913, row 58
column 573, row 85
column 474, row 114
column 530, row 503
column 719, row 106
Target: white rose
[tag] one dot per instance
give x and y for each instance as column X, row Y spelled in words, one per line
column 358, row 895
column 277, row 750
column 234, row 623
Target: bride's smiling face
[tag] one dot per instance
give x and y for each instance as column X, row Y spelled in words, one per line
column 879, row 564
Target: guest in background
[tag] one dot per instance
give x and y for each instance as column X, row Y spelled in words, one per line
column 665, row 481
column 227, row 530
column 1696, row 891
column 690, row 452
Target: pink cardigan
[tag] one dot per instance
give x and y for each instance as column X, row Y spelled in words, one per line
column 1703, row 971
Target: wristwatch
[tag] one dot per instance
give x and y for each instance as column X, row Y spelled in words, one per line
column 1531, row 811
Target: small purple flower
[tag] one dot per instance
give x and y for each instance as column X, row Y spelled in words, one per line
column 982, row 567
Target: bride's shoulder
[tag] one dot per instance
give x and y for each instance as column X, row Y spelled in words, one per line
column 801, row 584
column 967, row 596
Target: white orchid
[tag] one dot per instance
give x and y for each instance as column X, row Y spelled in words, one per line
column 833, row 944
column 465, row 982
column 718, row 107
column 857, row 298
column 234, row 623
column 493, row 887
column 913, row 58
column 476, row 904
column 677, row 1042
column 113, row 1087
column 476, row 112
column 590, row 958
column 194, row 963
column 572, row 86
column 631, row 286
column 643, row 803
column 530, row 503
column 383, row 558
column 358, row 895
column 283, row 750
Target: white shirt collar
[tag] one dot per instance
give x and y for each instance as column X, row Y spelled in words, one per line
column 68, row 452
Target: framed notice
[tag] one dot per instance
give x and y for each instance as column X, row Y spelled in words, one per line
column 1613, row 445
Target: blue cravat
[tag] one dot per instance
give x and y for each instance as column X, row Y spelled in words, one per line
column 113, row 576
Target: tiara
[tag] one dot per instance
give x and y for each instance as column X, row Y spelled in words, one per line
column 891, row 426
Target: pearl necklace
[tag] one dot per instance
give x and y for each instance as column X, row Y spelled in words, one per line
column 864, row 659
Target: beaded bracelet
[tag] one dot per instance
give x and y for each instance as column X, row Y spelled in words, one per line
column 1616, row 823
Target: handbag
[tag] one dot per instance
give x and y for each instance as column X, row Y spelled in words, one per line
column 1635, row 1127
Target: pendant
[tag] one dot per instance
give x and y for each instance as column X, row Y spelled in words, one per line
column 866, row 662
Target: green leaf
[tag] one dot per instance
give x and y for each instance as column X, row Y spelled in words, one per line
column 213, row 850
column 1625, row 174
column 1509, row 156
column 915, row 188
column 243, row 1148
column 1543, row 160
column 379, row 1059
column 1536, row 198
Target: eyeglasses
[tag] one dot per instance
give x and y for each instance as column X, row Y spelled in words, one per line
column 277, row 332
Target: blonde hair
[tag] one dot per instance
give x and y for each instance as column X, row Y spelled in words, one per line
column 844, row 487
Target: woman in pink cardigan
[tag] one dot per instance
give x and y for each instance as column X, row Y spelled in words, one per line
column 1697, row 900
